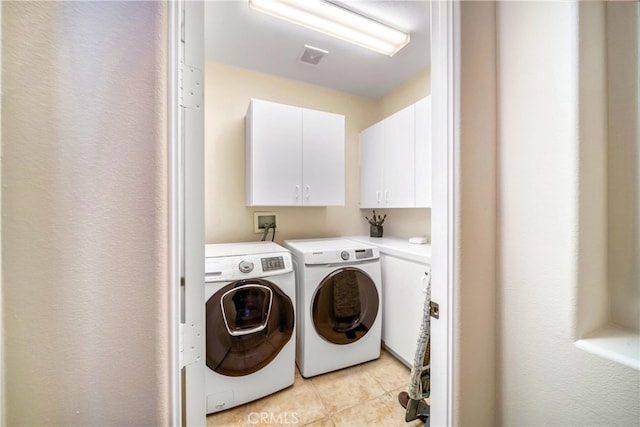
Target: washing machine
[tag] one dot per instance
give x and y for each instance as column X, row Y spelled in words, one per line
column 339, row 303
column 250, row 299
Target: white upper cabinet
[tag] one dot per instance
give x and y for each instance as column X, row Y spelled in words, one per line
column 274, row 154
column 423, row 153
column 371, row 159
column 294, row 156
column 322, row 158
column 395, row 164
column 398, row 162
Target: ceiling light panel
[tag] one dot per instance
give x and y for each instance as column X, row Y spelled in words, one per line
column 336, row 21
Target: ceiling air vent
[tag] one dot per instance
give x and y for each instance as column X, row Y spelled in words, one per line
column 312, row 55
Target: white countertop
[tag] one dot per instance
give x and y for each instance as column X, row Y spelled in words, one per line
column 399, row 247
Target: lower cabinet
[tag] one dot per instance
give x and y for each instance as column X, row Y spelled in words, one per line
column 403, row 299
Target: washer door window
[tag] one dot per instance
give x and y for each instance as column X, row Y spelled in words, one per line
column 248, row 323
column 345, row 306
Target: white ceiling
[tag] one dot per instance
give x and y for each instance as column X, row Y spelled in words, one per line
column 239, row 36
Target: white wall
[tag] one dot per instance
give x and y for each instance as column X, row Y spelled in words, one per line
column 543, row 378
column 84, row 206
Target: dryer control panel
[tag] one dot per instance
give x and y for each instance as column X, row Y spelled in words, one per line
column 341, row 256
column 332, row 251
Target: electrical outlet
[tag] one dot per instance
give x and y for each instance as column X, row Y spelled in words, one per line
column 260, row 219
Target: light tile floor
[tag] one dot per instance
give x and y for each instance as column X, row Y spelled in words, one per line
column 362, row 395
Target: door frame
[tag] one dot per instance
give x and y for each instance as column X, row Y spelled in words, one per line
column 185, row 163
column 445, row 96
column 445, row 60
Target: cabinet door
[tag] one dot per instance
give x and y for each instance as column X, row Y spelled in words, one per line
column 399, row 163
column 322, row 158
column 403, row 300
column 371, row 166
column 423, row 153
column 274, row 154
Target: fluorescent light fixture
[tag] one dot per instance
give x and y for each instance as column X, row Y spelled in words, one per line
column 336, row 21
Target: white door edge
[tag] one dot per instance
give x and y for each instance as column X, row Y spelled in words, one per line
column 174, row 184
column 185, row 65
column 445, row 51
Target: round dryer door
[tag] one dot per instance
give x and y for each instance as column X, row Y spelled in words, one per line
column 345, row 306
column 248, row 323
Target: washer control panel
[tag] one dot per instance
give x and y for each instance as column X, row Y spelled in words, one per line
column 219, row 269
column 345, row 255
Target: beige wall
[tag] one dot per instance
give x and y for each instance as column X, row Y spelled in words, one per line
column 475, row 319
column 2, row 404
column 84, row 205
column 227, row 94
column 624, row 164
column 543, row 378
column 408, row 92
column 592, row 295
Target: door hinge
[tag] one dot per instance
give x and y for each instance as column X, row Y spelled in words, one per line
column 434, row 310
column 191, row 343
column 191, row 92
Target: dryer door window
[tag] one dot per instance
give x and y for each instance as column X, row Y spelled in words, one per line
column 248, row 323
column 345, row 306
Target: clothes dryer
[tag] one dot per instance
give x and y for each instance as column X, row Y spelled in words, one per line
column 339, row 303
column 250, row 322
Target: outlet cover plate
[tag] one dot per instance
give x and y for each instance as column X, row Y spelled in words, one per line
column 262, row 218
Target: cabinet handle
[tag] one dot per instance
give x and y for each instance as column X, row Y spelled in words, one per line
column 308, row 190
column 386, row 196
column 378, row 196
column 297, row 192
